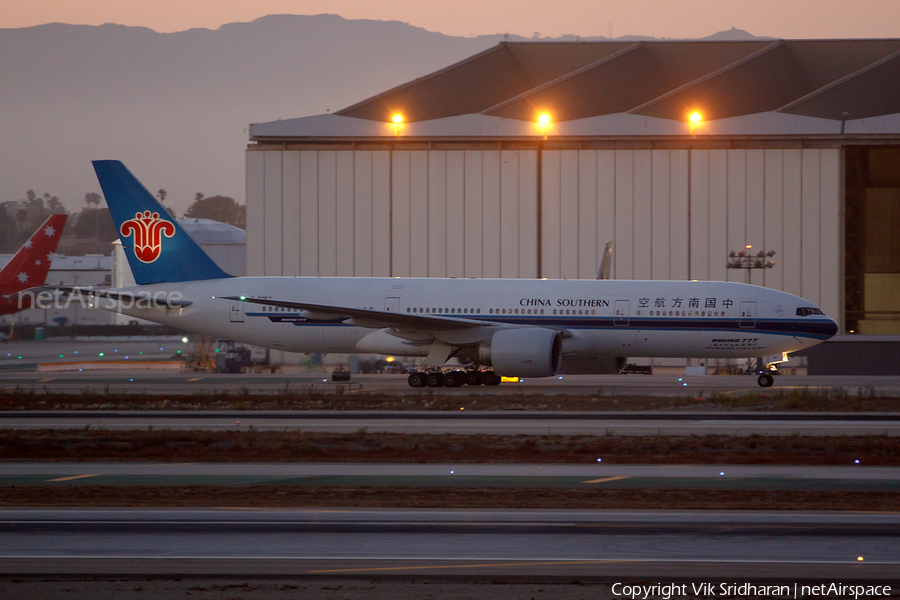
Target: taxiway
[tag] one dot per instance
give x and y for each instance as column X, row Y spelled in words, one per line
column 587, row 544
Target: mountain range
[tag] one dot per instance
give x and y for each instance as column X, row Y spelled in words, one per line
column 175, row 107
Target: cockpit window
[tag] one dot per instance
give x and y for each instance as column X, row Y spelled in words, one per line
column 805, row 311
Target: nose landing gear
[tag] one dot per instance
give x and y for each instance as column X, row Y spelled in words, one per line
column 765, row 373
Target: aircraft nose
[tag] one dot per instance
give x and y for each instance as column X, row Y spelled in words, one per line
column 831, row 328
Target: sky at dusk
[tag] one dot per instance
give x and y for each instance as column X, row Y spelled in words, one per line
column 797, row 19
column 54, row 126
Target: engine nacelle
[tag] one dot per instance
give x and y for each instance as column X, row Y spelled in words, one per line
column 531, row 352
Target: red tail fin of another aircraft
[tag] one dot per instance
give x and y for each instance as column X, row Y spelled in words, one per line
column 30, row 265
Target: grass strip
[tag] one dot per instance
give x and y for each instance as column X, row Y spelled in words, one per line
column 362, row 446
column 338, row 397
column 441, row 497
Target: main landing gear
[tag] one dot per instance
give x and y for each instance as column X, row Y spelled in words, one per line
column 452, row 378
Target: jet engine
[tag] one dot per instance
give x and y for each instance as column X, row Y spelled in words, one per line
column 531, row 352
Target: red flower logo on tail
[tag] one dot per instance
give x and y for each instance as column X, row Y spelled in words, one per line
column 148, row 231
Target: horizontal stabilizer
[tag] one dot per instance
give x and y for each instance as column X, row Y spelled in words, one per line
column 139, row 299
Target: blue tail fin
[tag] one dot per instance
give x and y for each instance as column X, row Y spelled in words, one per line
column 158, row 249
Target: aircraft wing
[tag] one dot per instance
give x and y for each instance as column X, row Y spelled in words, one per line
column 364, row 317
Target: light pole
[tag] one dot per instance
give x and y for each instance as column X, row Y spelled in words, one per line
column 745, row 259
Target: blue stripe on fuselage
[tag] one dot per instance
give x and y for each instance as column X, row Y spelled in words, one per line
column 818, row 329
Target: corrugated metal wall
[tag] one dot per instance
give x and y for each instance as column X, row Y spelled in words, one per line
column 672, row 214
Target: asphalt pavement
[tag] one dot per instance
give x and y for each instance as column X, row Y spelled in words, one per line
column 375, row 543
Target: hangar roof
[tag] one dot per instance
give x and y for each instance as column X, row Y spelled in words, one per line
column 768, row 87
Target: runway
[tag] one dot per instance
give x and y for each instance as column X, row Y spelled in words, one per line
column 372, row 543
column 187, row 383
column 471, row 422
column 590, row 476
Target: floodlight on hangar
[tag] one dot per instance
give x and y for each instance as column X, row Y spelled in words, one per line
column 543, row 121
column 397, row 120
column 695, row 119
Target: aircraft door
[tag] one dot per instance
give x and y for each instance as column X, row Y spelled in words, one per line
column 623, row 309
column 392, row 305
column 236, row 311
column 748, row 315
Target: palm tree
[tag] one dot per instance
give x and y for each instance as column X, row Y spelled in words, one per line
column 92, row 198
column 161, row 194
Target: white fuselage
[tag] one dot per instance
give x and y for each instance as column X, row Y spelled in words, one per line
column 599, row 318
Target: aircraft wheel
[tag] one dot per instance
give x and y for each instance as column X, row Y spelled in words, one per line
column 416, row 380
column 765, row 380
column 434, row 380
column 453, row 379
column 490, row 378
column 473, row 378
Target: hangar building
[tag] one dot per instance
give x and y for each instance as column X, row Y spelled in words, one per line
column 794, row 147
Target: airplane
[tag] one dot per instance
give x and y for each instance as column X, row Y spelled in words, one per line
column 29, row 266
column 496, row 327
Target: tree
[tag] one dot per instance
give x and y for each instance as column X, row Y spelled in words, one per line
column 54, row 205
column 92, row 198
column 34, row 204
column 161, row 195
column 218, row 208
column 95, row 223
column 6, row 228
